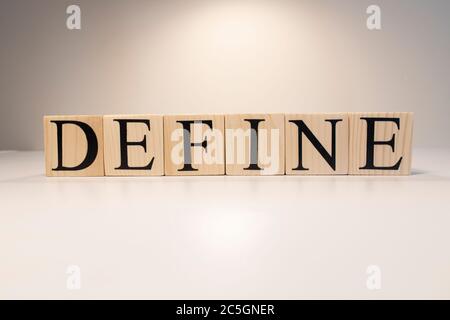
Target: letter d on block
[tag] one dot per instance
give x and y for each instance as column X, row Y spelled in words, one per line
column 73, row 146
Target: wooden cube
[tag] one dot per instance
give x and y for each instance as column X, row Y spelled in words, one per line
column 133, row 145
column 380, row 143
column 194, row 145
column 73, row 146
column 254, row 144
column 316, row 144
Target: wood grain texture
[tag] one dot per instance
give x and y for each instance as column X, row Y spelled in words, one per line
column 383, row 154
column 137, row 155
column 322, row 130
column 209, row 161
column 74, row 145
column 270, row 144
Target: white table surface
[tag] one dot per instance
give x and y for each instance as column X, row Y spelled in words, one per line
column 280, row 237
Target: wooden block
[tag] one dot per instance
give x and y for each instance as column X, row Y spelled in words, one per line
column 317, row 144
column 254, row 144
column 73, row 146
column 194, row 145
column 133, row 145
column 380, row 143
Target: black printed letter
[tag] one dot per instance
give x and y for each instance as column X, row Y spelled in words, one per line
column 371, row 143
column 124, row 143
column 329, row 158
column 187, row 142
column 92, row 145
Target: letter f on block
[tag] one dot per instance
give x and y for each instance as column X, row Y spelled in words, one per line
column 188, row 145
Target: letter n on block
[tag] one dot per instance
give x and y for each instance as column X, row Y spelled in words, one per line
column 194, row 145
column 380, row 143
column 73, row 146
column 133, row 145
column 316, row 144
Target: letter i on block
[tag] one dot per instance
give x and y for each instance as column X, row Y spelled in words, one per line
column 194, row 145
column 73, row 146
column 380, row 143
column 133, row 145
column 316, row 144
column 254, row 144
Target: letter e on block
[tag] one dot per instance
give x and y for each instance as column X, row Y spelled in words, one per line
column 73, row 146
column 380, row 143
column 133, row 145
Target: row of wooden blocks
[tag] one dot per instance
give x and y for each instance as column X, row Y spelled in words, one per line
column 237, row 144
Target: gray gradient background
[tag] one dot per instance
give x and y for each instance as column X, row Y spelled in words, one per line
column 222, row 57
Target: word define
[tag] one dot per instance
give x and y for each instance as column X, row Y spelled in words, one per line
column 236, row 144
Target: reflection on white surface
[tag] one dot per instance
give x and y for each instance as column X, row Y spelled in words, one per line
column 229, row 231
column 224, row 237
